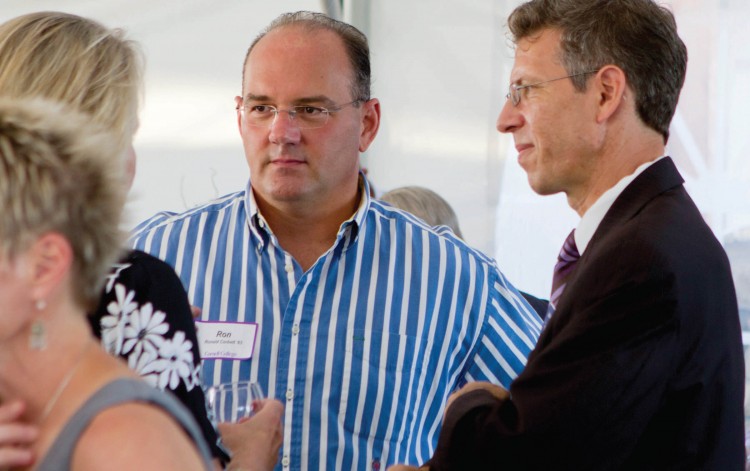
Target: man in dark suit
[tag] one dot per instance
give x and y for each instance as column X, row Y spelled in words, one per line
column 640, row 364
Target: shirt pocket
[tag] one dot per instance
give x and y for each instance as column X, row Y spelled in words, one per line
column 381, row 376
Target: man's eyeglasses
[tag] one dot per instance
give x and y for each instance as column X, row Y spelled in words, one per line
column 304, row 116
column 514, row 91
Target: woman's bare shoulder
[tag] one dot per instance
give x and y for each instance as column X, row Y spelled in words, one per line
column 135, row 436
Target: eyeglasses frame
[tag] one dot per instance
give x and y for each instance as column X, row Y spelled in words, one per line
column 292, row 112
column 514, row 90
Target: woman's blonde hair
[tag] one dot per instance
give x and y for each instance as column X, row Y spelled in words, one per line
column 76, row 61
column 50, row 176
column 56, row 175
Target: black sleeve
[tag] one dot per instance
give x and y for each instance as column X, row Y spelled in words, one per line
column 588, row 390
column 460, row 443
column 144, row 317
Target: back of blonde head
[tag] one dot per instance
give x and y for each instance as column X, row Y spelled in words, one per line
column 56, row 175
column 76, row 61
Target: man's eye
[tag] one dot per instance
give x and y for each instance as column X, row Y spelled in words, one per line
column 261, row 109
column 309, row 110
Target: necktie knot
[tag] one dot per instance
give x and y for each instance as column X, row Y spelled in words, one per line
column 566, row 262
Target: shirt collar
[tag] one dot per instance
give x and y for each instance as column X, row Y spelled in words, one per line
column 593, row 217
column 348, row 230
column 255, row 222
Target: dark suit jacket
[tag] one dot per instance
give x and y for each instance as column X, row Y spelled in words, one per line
column 539, row 305
column 641, row 365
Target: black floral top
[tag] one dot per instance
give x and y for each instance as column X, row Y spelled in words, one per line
column 144, row 317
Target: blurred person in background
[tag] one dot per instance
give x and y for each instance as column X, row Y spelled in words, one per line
column 435, row 211
column 425, row 204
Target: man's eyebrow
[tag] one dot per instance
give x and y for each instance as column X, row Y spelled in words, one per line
column 317, row 99
column 252, row 97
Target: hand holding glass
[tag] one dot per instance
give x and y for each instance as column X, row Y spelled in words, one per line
column 232, row 402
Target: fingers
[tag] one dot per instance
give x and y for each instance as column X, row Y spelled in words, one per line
column 271, row 409
column 15, row 437
column 498, row 391
column 11, row 411
column 255, row 443
column 12, row 431
column 16, row 433
column 11, row 457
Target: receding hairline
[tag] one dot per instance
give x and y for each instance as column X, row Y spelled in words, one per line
column 310, row 28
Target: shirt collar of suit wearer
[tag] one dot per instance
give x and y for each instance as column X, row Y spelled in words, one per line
column 593, row 217
column 348, row 230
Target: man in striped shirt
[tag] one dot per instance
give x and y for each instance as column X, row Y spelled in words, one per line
column 363, row 318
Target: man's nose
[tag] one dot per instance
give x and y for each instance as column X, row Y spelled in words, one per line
column 284, row 128
column 509, row 118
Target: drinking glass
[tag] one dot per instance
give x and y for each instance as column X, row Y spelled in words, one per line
column 232, row 402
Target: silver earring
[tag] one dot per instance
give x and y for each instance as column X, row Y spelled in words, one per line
column 38, row 336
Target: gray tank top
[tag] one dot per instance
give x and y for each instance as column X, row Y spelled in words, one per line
column 119, row 391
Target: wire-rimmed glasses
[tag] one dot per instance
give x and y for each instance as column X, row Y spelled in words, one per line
column 514, row 91
column 304, row 116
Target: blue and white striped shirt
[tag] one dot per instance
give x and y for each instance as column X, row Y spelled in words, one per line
column 365, row 347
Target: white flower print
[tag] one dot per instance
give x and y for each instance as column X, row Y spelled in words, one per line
column 144, row 331
column 174, row 362
column 142, row 364
column 195, row 377
column 113, row 325
column 138, row 333
column 112, row 277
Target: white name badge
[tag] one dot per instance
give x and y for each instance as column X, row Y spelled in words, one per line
column 226, row 340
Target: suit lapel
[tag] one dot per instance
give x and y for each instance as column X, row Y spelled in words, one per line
column 655, row 180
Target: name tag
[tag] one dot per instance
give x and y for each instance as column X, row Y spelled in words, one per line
column 226, row 340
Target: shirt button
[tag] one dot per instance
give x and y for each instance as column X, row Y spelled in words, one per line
column 289, row 268
column 289, row 394
column 295, row 329
column 285, row 461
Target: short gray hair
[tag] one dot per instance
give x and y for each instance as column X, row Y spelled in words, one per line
column 425, row 204
column 57, row 175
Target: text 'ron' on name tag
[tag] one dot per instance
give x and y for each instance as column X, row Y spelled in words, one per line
column 226, row 340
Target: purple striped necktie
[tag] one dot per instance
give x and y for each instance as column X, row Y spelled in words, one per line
column 566, row 262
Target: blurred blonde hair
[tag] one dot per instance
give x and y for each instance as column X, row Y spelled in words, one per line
column 56, row 175
column 76, row 61
column 425, row 204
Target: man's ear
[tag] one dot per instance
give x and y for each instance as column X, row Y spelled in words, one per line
column 237, row 104
column 49, row 259
column 611, row 85
column 370, row 123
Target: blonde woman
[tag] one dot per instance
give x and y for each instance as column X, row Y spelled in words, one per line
column 60, row 205
column 96, row 71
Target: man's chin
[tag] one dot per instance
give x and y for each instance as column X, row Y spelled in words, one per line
column 541, row 187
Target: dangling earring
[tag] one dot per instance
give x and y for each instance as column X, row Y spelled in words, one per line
column 38, row 336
